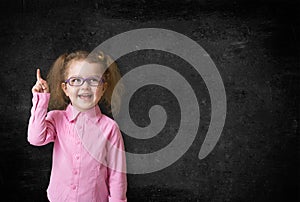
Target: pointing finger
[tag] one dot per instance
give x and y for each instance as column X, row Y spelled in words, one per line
column 38, row 74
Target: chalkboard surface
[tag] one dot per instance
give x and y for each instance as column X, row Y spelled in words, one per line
column 255, row 46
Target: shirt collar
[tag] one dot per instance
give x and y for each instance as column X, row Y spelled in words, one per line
column 94, row 114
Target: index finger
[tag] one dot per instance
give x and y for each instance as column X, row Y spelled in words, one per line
column 38, row 74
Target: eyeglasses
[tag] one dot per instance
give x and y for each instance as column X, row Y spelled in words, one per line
column 78, row 81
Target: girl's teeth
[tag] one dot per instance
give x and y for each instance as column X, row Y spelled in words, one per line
column 85, row 96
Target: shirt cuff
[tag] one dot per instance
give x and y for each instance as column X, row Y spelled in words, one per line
column 110, row 199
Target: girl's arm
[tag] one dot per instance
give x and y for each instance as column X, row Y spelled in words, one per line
column 117, row 180
column 41, row 129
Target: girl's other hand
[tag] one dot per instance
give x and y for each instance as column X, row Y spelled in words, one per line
column 41, row 86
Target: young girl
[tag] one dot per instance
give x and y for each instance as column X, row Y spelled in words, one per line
column 88, row 154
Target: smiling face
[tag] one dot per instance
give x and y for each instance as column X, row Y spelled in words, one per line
column 84, row 97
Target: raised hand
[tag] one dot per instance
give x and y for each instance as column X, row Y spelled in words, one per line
column 41, row 85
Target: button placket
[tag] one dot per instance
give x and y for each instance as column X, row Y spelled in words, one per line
column 75, row 172
column 77, row 153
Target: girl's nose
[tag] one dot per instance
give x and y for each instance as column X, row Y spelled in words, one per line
column 85, row 85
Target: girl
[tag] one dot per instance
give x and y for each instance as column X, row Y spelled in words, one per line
column 88, row 154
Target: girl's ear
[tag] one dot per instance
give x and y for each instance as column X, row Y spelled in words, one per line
column 64, row 88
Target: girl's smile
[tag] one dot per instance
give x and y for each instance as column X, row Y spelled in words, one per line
column 87, row 95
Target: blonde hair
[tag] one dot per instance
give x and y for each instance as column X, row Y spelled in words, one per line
column 59, row 71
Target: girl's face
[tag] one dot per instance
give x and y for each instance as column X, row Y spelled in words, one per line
column 84, row 97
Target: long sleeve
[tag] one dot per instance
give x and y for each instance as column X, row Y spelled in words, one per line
column 41, row 128
column 117, row 181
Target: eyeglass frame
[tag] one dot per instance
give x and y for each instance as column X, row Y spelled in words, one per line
column 101, row 80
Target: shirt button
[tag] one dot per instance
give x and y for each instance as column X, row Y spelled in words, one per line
column 73, row 187
column 78, row 143
column 75, row 172
column 77, row 157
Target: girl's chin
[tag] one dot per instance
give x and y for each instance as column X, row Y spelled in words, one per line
column 83, row 108
column 84, row 104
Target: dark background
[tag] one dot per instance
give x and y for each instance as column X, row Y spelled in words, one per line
column 254, row 44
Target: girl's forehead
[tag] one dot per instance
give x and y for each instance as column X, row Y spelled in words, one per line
column 85, row 68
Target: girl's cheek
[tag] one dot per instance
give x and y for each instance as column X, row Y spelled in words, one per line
column 101, row 92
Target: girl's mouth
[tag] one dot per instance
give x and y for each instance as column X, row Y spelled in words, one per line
column 85, row 96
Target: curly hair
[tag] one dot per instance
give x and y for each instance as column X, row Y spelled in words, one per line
column 59, row 71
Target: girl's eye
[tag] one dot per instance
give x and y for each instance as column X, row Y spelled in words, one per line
column 75, row 80
column 94, row 81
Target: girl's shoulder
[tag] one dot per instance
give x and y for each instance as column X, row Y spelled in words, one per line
column 110, row 127
column 106, row 120
column 58, row 114
column 108, row 124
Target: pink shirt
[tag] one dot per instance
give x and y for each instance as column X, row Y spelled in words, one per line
column 88, row 162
